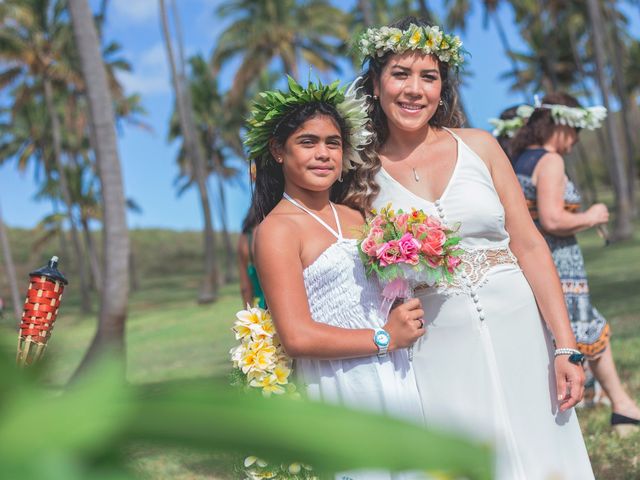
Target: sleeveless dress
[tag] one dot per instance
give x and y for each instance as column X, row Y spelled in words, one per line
column 341, row 295
column 485, row 364
column 589, row 326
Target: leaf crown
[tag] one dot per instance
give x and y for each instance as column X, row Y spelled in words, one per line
column 375, row 42
column 272, row 107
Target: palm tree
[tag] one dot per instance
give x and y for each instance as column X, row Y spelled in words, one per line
column 33, row 39
column 11, row 271
column 459, row 11
column 209, row 285
column 623, row 225
column 213, row 127
column 114, row 295
column 286, row 30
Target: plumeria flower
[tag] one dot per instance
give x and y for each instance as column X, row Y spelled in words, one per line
column 268, row 384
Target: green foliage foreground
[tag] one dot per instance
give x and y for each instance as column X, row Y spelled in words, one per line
column 82, row 432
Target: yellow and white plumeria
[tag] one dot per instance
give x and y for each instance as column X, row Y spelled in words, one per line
column 260, row 356
column 262, row 363
column 430, row 40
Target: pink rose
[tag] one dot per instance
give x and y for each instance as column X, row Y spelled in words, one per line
column 432, row 244
column 388, row 253
column 409, row 248
column 377, row 234
column 432, row 222
column 420, row 231
column 401, row 221
column 377, row 221
column 369, row 246
column 452, row 263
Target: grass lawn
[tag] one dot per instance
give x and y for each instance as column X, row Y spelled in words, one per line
column 170, row 337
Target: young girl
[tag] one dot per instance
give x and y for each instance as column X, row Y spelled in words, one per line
column 324, row 308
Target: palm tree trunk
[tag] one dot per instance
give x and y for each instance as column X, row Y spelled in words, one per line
column 591, row 190
column 115, row 238
column 209, row 286
column 602, row 142
column 627, row 119
column 92, row 253
column 424, row 11
column 85, row 295
column 12, row 279
column 623, row 224
column 230, row 261
column 365, row 9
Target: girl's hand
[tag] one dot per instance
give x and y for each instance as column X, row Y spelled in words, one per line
column 405, row 324
column 569, row 381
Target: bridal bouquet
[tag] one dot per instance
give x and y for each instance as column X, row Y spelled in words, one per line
column 260, row 362
column 406, row 249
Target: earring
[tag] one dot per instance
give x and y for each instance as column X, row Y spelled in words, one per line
column 376, row 97
column 340, row 177
column 279, row 159
column 440, row 102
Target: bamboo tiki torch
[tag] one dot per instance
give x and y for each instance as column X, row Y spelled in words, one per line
column 40, row 311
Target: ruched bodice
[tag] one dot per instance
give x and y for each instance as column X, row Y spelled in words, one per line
column 338, row 289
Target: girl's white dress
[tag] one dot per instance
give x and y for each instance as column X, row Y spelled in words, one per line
column 485, row 364
column 340, row 294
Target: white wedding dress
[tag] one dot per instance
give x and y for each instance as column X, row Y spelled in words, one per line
column 340, row 294
column 485, row 364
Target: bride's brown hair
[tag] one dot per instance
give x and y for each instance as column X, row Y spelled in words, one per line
column 361, row 187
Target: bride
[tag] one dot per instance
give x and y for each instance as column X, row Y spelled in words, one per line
column 487, row 364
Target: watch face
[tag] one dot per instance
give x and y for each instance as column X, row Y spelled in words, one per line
column 576, row 358
column 382, row 339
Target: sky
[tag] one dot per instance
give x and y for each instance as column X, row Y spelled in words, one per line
column 149, row 160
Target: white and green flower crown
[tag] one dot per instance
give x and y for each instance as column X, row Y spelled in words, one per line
column 507, row 127
column 588, row 118
column 375, row 42
column 270, row 109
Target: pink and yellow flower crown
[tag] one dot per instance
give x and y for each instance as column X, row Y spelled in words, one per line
column 375, row 42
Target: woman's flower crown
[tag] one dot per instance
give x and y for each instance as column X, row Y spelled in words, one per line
column 589, row 118
column 507, row 127
column 270, row 109
column 429, row 40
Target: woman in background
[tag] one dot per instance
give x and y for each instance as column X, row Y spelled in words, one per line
column 554, row 203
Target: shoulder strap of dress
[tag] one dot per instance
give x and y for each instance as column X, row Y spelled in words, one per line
column 337, row 234
column 454, row 135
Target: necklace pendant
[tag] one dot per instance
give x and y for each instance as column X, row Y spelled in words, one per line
column 416, row 177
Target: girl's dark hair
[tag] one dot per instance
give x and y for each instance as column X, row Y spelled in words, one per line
column 363, row 188
column 250, row 221
column 504, row 140
column 269, row 185
column 540, row 125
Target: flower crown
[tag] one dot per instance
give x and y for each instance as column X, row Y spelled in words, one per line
column 507, row 127
column 589, row 118
column 429, row 40
column 268, row 111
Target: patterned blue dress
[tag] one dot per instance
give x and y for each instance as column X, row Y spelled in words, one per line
column 589, row 326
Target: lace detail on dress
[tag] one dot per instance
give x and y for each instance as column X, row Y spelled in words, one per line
column 473, row 270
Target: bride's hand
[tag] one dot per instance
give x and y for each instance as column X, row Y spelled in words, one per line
column 570, row 382
column 405, row 324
